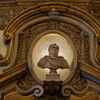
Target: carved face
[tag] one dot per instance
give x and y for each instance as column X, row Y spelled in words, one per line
column 53, row 48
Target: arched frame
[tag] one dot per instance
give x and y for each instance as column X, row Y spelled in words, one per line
column 37, row 15
column 74, row 65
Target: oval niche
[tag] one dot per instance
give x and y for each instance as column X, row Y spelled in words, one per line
column 39, row 49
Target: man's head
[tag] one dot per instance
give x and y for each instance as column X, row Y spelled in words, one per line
column 53, row 48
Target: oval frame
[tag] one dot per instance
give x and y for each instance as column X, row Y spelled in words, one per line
column 74, row 66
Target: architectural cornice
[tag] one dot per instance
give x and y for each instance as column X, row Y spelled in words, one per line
column 10, row 8
column 34, row 1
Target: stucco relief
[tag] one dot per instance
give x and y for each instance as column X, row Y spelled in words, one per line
column 25, row 39
column 6, row 15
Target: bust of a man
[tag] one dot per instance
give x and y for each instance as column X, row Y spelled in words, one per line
column 53, row 61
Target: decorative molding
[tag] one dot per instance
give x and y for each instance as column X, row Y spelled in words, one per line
column 78, row 85
column 12, row 74
column 7, row 14
column 90, row 70
column 86, row 75
column 76, row 26
column 27, row 85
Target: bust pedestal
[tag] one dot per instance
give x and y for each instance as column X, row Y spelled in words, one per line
column 52, row 83
column 53, row 76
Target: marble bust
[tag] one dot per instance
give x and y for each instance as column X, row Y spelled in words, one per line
column 53, row 61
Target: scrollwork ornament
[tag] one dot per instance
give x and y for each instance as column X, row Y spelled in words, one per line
column 7, row 38
column 65, row 91
column 26, row 86
column 25, row 83
column 78, row 83
column 38, row 91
